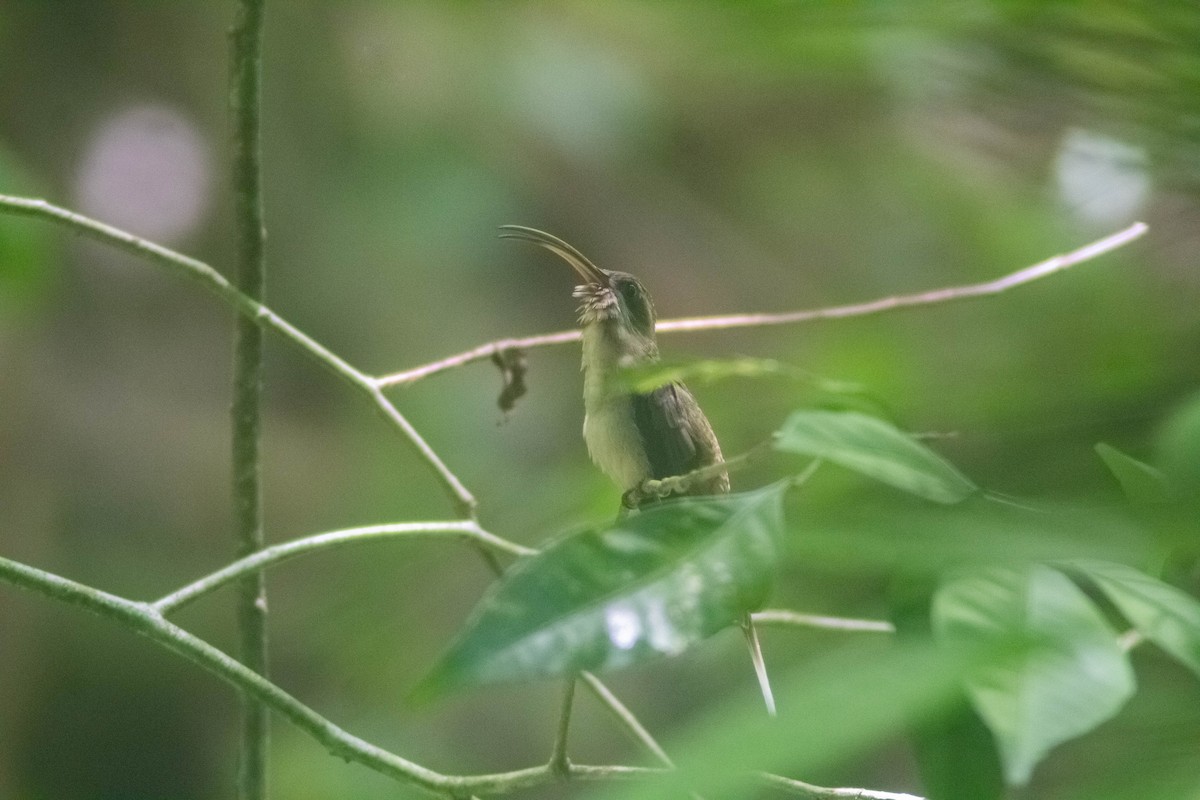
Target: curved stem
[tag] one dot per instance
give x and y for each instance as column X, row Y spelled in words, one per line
column 144, row 619
column 269, row 556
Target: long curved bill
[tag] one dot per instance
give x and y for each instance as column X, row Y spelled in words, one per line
column 578, row 261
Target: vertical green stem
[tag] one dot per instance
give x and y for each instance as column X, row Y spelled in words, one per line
column 245, row 90
column 559, row 762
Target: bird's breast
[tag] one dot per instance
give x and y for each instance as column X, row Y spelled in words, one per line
column 613, row 442
column 609, row 427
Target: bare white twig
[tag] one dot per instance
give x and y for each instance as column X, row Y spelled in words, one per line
column 760, row 666
column 793, row 618
column 1022, row 276
column 802, row 789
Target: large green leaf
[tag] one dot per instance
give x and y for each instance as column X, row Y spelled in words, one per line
column 1058, row 670
column 654, row 584
column 1160, row 612
column 874, row 448
column 1141, row 482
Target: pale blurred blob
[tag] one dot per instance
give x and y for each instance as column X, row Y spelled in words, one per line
column 147, row 169
column 1101, row 180
column 581, row 97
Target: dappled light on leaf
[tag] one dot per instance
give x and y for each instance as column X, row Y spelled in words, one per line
column 654, row 584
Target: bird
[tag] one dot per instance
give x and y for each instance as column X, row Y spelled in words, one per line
column 632, row 436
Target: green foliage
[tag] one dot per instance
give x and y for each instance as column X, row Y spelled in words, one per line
column 648, row 377
column 1160, row 612
column 1043, row 664
column 842, row 702
column 1142, row 483
column 1056, row 669
column 1179, row 447
column 655, row 583
column 737, row 156
column 817, row 390
column 874, row 448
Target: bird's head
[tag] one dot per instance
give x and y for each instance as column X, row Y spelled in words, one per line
column 605, row 295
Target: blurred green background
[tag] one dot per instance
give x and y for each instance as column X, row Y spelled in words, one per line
column 759, row 156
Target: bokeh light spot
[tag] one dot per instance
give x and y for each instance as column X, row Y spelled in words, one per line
column 146, row 169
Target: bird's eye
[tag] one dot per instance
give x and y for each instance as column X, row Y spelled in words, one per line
column 629, row 292
column 637, row 304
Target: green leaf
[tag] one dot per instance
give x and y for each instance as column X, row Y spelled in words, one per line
column 1163, row 614
column 648, row 377
column 1178, row 447
column 1058, row 670
column 1141, row 482
column 874, row 448
column 654, row 584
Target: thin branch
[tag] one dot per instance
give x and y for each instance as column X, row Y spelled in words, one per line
column 216, row 284
column 1003, row 284
column 483, row 351
column 259, row 561
column 626, row 717
column 470, row 530
column 466, row 529
column 1022, row 276
column 245, row 93
column 148, row 619
column 459, row 493
column 559, row 763
column 211, row 280
column 145, row 620
column 796, row 619
column 802, row 789
column 760, row 666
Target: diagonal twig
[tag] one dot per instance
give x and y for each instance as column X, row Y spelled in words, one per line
column 143, row 619
column 215, row 283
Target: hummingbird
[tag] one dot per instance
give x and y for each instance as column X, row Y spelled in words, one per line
column 637, row 436
column 632, row 436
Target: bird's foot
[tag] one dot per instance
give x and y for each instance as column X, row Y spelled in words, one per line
column 656, row 489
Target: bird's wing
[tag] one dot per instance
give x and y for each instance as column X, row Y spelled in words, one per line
column 662, row 418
